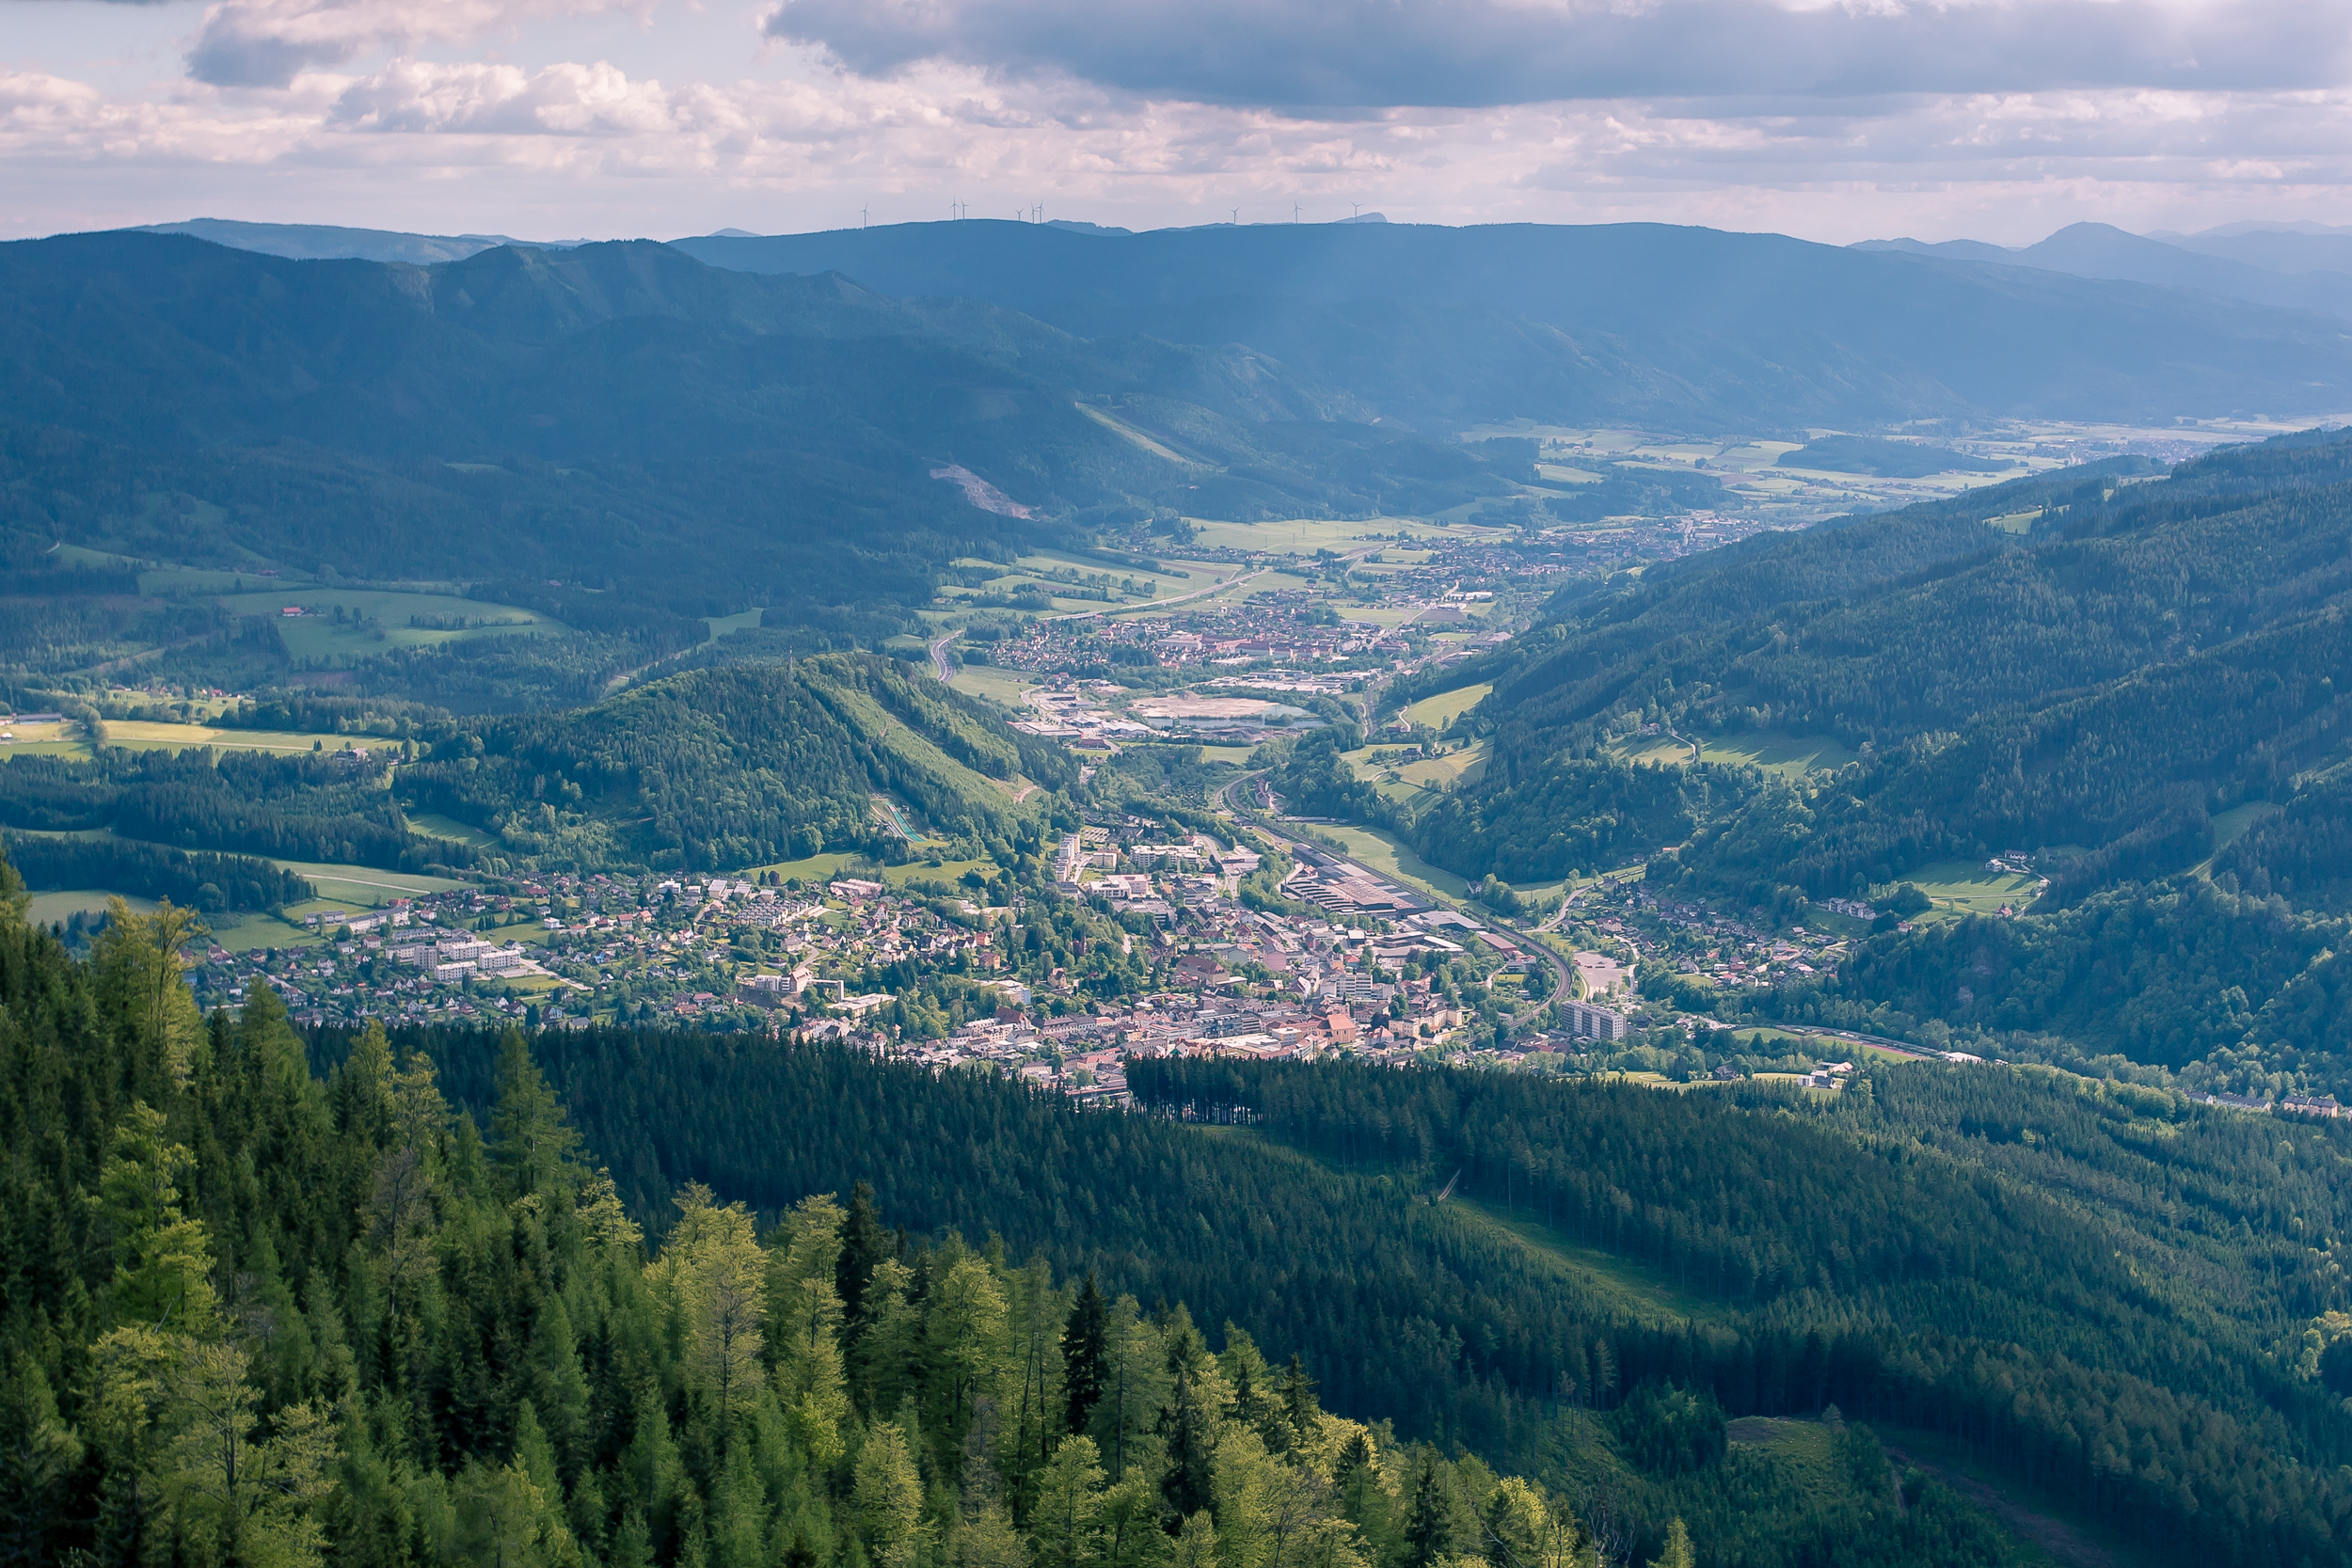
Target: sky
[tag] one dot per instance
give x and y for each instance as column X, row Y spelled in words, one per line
column 1995, row 119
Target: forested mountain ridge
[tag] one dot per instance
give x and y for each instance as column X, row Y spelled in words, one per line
column 1647, row 324
column 620, row 415
column 741, row 765
column 2081, row 1303
column 304, row 808
column 2144, row 656
column 253, row 1316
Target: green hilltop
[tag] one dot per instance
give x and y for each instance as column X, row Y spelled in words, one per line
column 742, row 764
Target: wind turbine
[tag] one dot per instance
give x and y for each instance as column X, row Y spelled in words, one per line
column 1294, row 211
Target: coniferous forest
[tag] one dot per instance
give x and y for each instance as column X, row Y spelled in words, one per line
column 368, row 1300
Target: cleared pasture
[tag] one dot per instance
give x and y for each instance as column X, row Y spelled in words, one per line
column 145, row 734
column 1443, row 709
column 378, row 619
column 1965, row 887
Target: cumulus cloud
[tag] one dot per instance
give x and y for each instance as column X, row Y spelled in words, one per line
column 267, row 43
column 502, row 100
column 1333, row 54
column 397, row 113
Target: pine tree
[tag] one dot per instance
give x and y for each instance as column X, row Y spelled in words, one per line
column 532, row 1138
column 1428, row 1522
column 1067, row 1517
column 1083, row 1349
column 864, row 1244
column 887, row 1498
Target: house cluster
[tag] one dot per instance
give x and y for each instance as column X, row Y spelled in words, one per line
column 2321, row 1106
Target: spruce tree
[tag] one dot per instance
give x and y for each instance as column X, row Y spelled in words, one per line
column 1428, row 1527
column 1084, row 1348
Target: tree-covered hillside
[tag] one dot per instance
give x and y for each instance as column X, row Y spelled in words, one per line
column 251, row 1315
column 2073, row 1280
column 303, row 808
column 1647, row 324
column 618, row 415
column 742, row 766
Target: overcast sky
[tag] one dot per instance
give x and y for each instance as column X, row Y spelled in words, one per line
column 1999, row 119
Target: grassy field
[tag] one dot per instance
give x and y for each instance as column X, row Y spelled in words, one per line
column 435, row 826
column 1791, row 756
column 47, row 909
column 1305, row 537
column 205, row 580
column 818, row 870
column 1965, row 887
column 142, row 734
column 2229, row 826
column 364, row 886
column 1391, row 859
column 998, row 686
column 1237, row 756
column 1788, row 755
column 1651, row 748
column 320, row 636
column 44, row 741
column 722, row 625
column 1443, row 709
column 1634, row 1287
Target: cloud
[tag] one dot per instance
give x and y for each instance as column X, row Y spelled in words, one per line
column 502, row 100
column 1342, row 53
column 559, row 133
column 267, row 43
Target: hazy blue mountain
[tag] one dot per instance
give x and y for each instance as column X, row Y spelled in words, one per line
column 1948, row 250
column 2229, row 267
column 615, row 413
column 1683, row 327
column 2293, row 249
column 313, row 242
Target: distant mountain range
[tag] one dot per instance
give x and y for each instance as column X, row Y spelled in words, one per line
column 622, row 414
column 1677, row 328
column 311, row 242
column 1689, row 329
column 2295, row 268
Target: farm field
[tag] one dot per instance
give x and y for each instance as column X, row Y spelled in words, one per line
column 1305, row 537
column 998, row 686
column 817, row 870
column 1462, row 764
column 365, row 886
column 1788, row 755
column 143, row 734
column 1965, row 887
column 44, row 741
column 320, row 636
column 1382, row 853
column 722, row 625
column 432, row 825
column 167, row 579
column 1443, row 709
column 47, row 909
